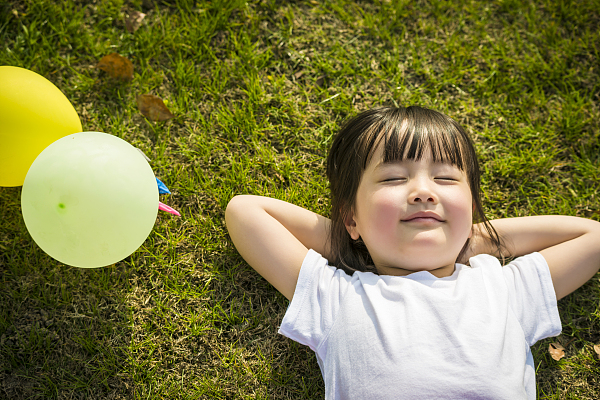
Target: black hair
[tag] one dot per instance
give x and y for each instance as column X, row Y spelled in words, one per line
column 406, row 133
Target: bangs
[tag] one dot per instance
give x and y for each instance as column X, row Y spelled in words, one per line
column 410, row 136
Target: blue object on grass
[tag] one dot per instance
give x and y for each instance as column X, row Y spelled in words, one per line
column 162, row 189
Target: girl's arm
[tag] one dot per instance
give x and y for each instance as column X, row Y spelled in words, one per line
column 570, row 245
column 273, row 237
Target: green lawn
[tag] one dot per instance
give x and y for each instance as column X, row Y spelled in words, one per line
column 257, row 90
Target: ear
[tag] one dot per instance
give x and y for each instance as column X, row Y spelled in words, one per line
column 351, row 227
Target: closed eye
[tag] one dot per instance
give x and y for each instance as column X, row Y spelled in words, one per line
column 447, row 178
column 394, row 179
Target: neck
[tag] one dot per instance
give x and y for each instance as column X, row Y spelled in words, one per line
column 441, row 272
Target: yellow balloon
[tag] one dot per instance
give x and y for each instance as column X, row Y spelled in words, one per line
column 33, row 114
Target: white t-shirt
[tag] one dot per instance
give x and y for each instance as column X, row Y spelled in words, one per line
column 465, row 336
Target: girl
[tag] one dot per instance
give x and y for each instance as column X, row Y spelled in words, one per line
column 400, row 293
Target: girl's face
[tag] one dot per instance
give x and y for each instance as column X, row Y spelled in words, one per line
column 412, row 215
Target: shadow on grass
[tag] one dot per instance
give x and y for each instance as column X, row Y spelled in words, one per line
column 177, row 319
column 62, row 329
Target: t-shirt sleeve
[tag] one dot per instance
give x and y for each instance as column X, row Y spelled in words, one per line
column 532, row 297
column 315, row 302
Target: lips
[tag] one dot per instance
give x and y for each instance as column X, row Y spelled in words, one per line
column 424, row 216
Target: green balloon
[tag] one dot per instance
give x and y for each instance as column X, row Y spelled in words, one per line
column 89, row 199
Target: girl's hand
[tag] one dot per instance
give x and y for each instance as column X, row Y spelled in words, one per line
column 570, row 245
column 274, row 236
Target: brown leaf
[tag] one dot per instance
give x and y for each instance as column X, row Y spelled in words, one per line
column 556, row 351
column 116, row 66
column 597, row 349
column 153, row 108
column 133, row 20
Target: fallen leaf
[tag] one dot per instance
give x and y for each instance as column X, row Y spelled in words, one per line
column 133, row 20
column 556, row 351
column 117, row 66
column 153, row 108
column 597, row 349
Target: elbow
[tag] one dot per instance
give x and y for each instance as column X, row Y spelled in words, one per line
column 235, row 205
column 238, row 208
column 594, row 228
column 585, row 227
column 234, row 218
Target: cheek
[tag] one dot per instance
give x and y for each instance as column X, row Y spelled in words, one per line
column 460, row 204
column 385, row 209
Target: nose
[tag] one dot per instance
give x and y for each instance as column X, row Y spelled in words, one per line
column 422, row 192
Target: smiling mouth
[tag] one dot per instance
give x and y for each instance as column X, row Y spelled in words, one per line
column 424, row 217
column 424, row 220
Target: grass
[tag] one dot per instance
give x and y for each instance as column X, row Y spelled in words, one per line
column 258, row 89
